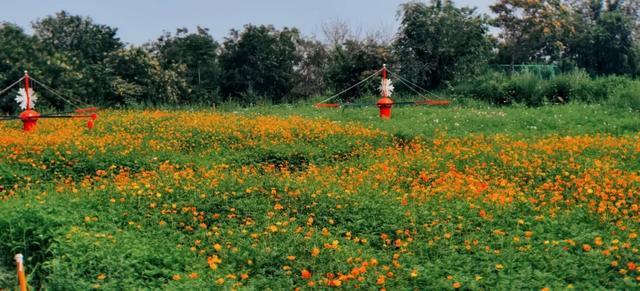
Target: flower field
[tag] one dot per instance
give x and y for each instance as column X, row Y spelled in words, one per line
column 202, row 200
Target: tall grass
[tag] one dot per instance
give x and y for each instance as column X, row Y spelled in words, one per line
column 533, row 90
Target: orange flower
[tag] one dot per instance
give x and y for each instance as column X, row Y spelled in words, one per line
column 586, row 247
column 456, row 285
column 335, row 283
column 305, row 274
column 213, row 262
column 193, row 275
column 380, row 280
column 176, row 277
column 355, row 271
column 631, row 266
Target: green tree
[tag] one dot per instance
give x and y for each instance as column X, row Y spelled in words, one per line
column 198, row 52
column 604, row 41
column 259, row 63
column 138, row 78
column 76, row 49
column 533, row 31
column 78, row 36
column 439, row 42
column 309, row 72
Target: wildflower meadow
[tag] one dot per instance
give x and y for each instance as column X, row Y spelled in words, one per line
column 202, row 200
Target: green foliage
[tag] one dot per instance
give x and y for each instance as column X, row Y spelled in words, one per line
column 439, row 42
column 198, row 53
column 138, row 78
column 80, row 37
column 76, row 49
column 574, row 86
column 259, row 60
column 626, row 97
column 605, row 45
column 309, row 75
column 525, row 89
column 532, row 31
column 533, row 90
column 352, row 61
column 30, row 232
column 489, row 87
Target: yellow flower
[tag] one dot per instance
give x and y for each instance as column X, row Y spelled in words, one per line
column 315, row 252
column 414, row 273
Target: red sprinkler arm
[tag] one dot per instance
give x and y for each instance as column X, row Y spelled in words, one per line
column 93, row 116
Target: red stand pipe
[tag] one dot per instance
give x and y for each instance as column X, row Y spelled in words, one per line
column 385, row 103
column 26, row 89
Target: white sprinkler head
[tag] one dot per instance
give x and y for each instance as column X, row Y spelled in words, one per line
column 386, row 87
column 21, row 98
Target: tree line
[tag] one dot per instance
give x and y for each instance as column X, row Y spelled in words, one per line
column 437, row 44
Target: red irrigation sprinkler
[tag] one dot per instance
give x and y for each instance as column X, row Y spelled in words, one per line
column 385, row 103
column 26, row 100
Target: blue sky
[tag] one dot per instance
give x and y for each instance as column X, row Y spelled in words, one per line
column 139, row 21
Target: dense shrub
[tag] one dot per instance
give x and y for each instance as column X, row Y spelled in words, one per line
column 534, row 90
column 574, row 86
column 487, row 87
column 626, row 96
column 525, row 89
